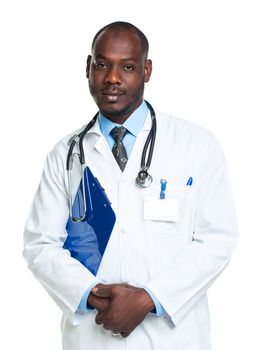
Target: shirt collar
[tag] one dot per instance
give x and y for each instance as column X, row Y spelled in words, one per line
column 133, row 124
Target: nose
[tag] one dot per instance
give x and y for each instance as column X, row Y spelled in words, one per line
column 113, row 76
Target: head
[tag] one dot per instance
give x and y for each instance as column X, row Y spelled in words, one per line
column 117, row 69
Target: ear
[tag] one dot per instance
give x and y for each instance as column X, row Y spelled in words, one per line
column 147, row 70
column 88, row 66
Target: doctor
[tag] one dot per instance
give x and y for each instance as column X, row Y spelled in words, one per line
column 163, row 254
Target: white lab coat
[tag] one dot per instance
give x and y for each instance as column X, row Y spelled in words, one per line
column 176, row 260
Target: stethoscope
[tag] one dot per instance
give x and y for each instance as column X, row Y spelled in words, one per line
column 143, row 179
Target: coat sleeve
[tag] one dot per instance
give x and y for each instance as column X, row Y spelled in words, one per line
column 188, row 276
column 64, row 278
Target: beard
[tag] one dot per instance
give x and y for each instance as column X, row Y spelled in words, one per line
column 128, row 103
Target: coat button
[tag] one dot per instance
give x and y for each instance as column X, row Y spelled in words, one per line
column 122, row 231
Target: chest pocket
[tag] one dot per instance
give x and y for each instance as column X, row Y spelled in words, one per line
column 164, row 215
column 157, row 209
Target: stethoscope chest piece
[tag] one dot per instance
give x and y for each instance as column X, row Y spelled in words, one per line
column 143, row 179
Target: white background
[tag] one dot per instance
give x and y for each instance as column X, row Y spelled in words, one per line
column 203, row 55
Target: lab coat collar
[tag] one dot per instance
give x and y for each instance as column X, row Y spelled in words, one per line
column 146, row 126
column 133, row 124
column 101, row 145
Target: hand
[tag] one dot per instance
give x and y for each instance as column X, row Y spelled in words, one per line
column 101, row 303
column 127, row 307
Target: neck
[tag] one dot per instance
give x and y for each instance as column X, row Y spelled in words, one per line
column 120, row 118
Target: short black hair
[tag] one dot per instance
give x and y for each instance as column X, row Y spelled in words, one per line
column 128, row 27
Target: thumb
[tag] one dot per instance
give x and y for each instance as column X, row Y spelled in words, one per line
column 103, row 292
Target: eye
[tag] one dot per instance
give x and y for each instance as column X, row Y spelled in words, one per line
column 128, row 68
column 100, row 66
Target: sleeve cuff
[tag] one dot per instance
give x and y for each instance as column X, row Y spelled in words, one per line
column 158, row 307
column 83, row 306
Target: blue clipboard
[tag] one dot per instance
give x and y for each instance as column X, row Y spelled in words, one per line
column 87, row 240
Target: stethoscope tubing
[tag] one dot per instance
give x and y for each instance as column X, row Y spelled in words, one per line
column 142, row 175
column 79, row 138
column 150, row 139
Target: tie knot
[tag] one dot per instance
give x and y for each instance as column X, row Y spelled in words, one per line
column 118, row 133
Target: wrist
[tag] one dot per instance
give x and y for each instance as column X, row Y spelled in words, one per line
column 146, row 300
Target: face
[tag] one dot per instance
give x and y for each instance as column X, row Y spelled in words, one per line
column 117, row 71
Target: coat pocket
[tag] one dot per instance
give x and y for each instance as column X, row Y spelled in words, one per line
column 164, row 215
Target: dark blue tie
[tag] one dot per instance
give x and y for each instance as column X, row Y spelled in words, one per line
column 119, row 150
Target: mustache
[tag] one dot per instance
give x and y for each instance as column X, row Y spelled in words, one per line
column 113, row 91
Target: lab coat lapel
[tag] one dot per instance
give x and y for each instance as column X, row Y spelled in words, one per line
column 134, row 160
column 97, row 142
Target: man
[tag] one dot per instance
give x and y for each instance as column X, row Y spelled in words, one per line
column 169, row 242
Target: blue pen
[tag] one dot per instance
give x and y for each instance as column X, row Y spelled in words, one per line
column 163, row 189
column 190, row 181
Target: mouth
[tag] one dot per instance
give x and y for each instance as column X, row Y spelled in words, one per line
column 112, row 96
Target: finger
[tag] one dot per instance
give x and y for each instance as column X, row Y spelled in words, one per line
column 101, row 304
column 99, row 318
column 124, row 334
column 108, row 327
column 102, row 292
column 124, row 284
column 129, row 286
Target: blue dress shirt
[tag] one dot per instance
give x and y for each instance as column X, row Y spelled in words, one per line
column 133, row 124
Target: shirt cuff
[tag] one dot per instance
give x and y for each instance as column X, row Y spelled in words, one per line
column 83, row 306
column 159, row 309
